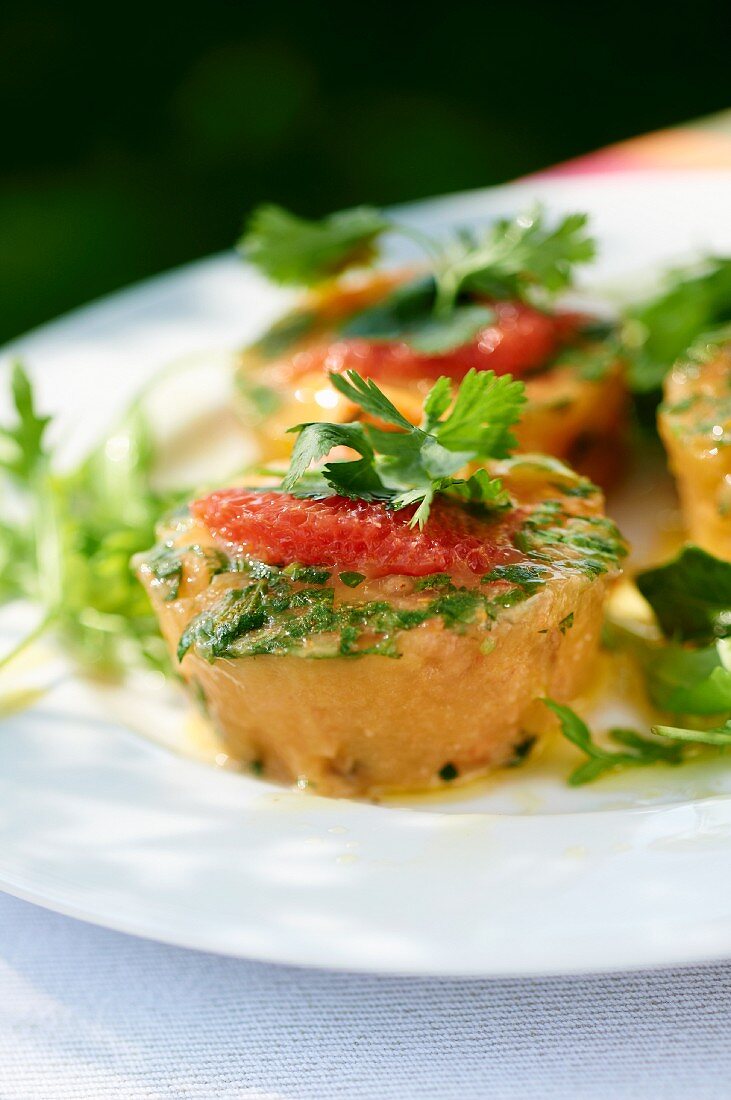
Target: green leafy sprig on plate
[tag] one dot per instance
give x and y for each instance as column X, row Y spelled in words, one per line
column 687, row 671
column 659, row 330
column 403, row 465
column 523, row 258
column 66, row 539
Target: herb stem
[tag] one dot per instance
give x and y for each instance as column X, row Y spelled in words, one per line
column 28, row 640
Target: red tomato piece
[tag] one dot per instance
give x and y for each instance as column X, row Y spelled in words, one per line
column 280, row 529
column 520, row 340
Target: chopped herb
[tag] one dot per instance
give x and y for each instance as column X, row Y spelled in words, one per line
column 531, row 578
column 308, row 574
column 351, row 580
column 165, row 563
column 433, row 580
column 566, row 623
column 523, row 749
column 448, row 773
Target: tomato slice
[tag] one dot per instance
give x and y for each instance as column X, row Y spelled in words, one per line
column 280, row 529
column 520, row 340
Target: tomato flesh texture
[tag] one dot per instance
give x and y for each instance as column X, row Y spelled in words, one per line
column 280, row 529
column 519, row 341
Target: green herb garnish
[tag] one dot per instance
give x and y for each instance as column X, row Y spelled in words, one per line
column 295, row 251
column 67, row 542
column 520, row 258
column 690, row 595
column 658, row 331
column 642, row 750
column 409, row 465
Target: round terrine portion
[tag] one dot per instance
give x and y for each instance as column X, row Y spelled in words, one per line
column 576, row 396
column 336, row 647
column 694, row 421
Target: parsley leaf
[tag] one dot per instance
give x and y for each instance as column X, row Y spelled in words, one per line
column 515, row 258
column 407, row 315
column 643, row 750
column 408, row 465
column 522, row 257
column 690, row 595
column 485, row 409
column 295, row 251
column 658, row 331
column 365, row 393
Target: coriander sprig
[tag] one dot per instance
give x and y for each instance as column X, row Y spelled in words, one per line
column 523, row 257
column 404, row 465
column 637, row 751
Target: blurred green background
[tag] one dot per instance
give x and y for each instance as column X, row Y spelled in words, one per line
column 135, row 137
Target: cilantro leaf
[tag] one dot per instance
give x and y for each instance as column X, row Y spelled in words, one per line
column 644, row 751
column 485, row 409
column 409, row 465
column 515, row 258
column 407, row 315
column 690, row 595
column 436, row 403
column 294, row 251
column 658, row 330
column 317, row 439
column 683, row 680
column 365, row 393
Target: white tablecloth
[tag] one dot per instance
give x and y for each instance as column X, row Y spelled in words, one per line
column 87, row 1014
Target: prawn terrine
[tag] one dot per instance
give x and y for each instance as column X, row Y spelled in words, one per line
column 337, row 646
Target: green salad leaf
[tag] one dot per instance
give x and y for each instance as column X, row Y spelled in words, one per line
column 636, row 752
column 690, row 595
column 67, row 538
column 658, row 331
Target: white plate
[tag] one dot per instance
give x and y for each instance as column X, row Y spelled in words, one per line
column 519, row 876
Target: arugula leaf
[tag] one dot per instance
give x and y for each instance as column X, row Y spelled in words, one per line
column 694, row 300
column 25, row 439
column 600, row 760
column 67, row 545
column 406, row 465
column 295, row 251
column 690, row 595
